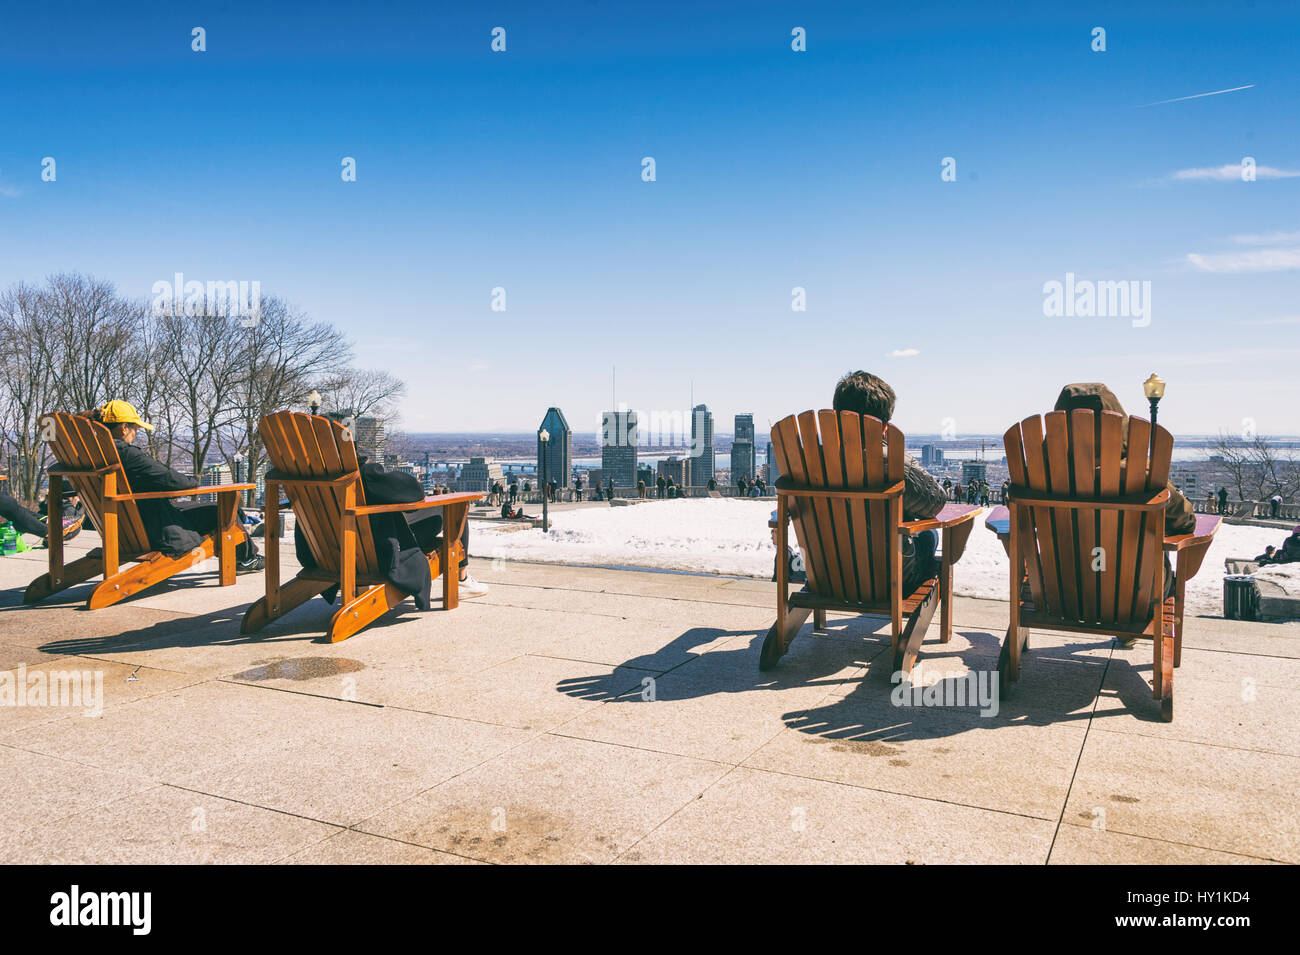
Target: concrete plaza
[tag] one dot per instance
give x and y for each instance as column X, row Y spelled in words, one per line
column 591, row 716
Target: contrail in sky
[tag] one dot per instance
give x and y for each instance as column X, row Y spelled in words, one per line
column 1179, row 99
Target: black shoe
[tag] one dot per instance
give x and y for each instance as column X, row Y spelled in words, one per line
column 250, row 566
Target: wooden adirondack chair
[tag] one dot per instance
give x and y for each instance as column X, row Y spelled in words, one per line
column 315, row 460
column 88, row 459
column 1085, row 537
column 845, row 497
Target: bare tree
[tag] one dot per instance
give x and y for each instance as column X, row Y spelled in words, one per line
column 28, row 386
column 88, row 337
column 363, row 393
column 205, row 366
column 280, row 355
column 1256, row 468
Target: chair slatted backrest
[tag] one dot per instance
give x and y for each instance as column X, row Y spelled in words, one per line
column 848, row 544
column 80, row 444
column 311, row 446
column 1094, row 566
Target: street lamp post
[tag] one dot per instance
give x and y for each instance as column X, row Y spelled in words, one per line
column 313, row 401
column 545, row 436
column 1154, row 389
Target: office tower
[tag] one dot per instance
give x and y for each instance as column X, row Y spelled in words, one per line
column 675, row 468
column 479, row 475
column 618, row 447
column 558, row 450
column 773, row 472
column 368, row 434
column 742, row 449
column 701, row 446
column 973, row 471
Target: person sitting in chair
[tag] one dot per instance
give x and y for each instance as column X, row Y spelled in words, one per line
column 173, row 527
column 25, row 521
column 408, row 570
column 922, row 496
column 1180, row 517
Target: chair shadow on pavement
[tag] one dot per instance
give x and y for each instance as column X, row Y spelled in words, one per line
column 112, row 629
column 732, row 668
column 1059, row 684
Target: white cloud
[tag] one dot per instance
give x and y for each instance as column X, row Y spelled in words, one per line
column 1229, row 173
column 1256, row 260
column 903, row 353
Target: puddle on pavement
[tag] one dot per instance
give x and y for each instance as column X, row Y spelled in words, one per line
column 301, row 668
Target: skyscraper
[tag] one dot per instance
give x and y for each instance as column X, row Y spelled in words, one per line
column 701, row 445
column 558, row 450
column 618, row 447
column 773, row 472
column 742, row 449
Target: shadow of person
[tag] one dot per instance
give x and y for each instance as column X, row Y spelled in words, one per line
column 954, row 690
column 814, row 658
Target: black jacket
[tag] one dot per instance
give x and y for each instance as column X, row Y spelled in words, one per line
column 396, row 548
column 162, row 520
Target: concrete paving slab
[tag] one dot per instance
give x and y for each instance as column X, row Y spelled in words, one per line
column 1210, row 797
column 717, row 707
column 167, row 826
column 1078, row 846
column 355, row 764
column 754, row 817
column 358, row 848
column 552, row 800
column 40, row 791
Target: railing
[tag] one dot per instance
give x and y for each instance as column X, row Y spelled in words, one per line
column 567, row 494
column 1260, row 510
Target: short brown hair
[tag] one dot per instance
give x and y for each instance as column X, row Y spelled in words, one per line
column 864, row 393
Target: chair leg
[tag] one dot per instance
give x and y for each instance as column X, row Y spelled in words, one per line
column 152, row 569
column 908, row 645
column 79, row 571
column 1164, row 659
column 358, row 613
column 819, row 619
column 293, row 594
column 1016, row 642
column 776, row 643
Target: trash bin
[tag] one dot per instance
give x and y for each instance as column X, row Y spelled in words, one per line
column 1240, row 597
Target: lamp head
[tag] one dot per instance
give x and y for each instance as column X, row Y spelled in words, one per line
column 313, row 399
column 1154, row 387
column 544, row 435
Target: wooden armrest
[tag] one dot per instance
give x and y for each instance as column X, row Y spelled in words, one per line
column 438, row 500
column 951, row 515
column 183, row 492
column 999, row 520
column 1206, row 526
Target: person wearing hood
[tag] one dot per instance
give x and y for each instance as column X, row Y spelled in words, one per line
column 1180, row 518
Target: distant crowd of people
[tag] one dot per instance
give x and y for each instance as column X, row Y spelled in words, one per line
column 973, row 492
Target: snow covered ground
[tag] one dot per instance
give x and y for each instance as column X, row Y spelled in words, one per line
column 730, row 537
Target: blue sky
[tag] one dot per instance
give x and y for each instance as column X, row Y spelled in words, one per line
column 775, row 169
